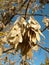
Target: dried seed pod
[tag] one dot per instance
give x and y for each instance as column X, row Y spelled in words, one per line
column 1, row 51
column 46, row 21
column 19, row 1
column 34, row 30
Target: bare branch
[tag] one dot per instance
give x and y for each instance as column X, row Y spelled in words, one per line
column 27, row 8
column 8, row 50
column 43, row 48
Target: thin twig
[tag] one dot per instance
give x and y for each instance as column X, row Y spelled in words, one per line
column 43, row 48
column 8, row 50
column 44, row 29
column 27, row 8
column 22, row 5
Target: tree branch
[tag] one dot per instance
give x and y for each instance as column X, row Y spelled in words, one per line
column 43, row 48
column 44, row 29
column 22, row 5
column 27, row 8
column 8, row 50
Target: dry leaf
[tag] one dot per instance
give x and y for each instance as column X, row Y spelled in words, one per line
column 38, row 36
column 35, row 27
column 23, row 21
column 32, row 36
column 15, row 35
column 35, row 48
column 46, row 21
column 41, row 33
column 19, row 1
column 4, row 39
column 1, row 50
column 30, row 54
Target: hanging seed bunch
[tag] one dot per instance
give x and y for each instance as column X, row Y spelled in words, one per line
column 24, row 36
column 46, row 21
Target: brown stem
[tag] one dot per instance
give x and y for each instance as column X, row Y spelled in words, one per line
column 27, row 8
column 44, row 29
column 43, row 48
column 8, row 50
column 22, row 5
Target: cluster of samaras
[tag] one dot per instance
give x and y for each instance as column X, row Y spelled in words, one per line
column 25, row 36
